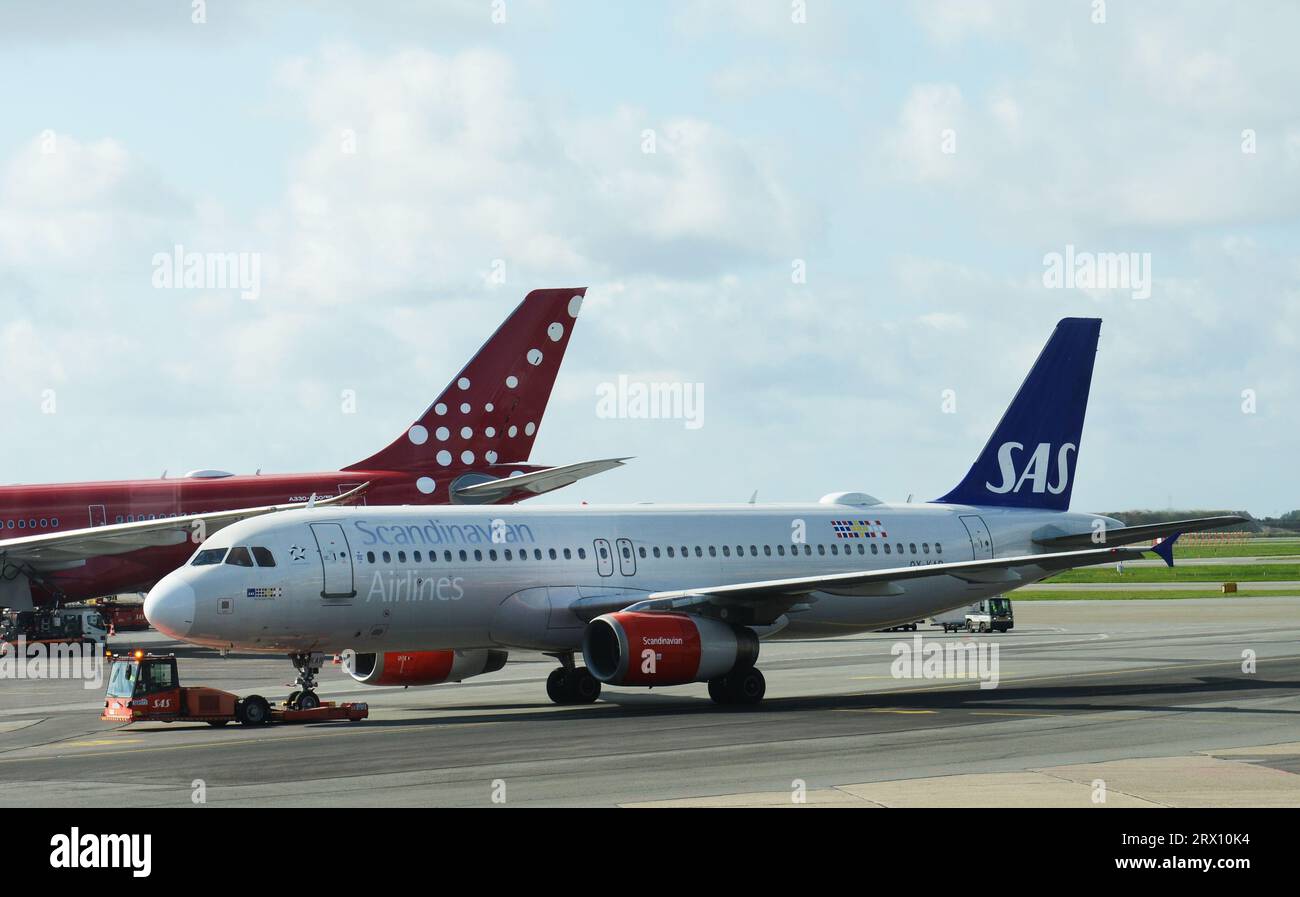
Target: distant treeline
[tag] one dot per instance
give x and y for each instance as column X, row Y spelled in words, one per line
column 1290, row 521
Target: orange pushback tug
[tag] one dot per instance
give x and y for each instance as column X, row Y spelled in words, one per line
column 146, row 688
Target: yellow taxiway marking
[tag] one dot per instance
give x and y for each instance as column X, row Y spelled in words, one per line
column 103, row 741
column 1010, row 713
column 881, row 710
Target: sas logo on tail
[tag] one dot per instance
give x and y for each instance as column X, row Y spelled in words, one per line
column 1035, row 469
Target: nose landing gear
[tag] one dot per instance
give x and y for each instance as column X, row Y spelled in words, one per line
column 307, row 665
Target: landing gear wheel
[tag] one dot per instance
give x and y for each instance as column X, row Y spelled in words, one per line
column 304, row 696
column 584, row 688
column 307, row 701
column 572, row 686
column 557, row 685
column 718, row 690
column 745, row 687
column 254, row 711
column 292, row 701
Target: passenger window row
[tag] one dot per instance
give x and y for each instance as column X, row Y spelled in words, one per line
column 29, row 523
column 522, row 554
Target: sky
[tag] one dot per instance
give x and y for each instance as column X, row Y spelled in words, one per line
column 830, row 223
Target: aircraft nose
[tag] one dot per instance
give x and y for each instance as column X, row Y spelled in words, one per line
column 169, row 608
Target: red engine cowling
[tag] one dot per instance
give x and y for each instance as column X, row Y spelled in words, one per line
column 422, row 667
column 664, row 649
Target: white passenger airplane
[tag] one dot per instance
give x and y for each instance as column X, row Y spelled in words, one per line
column 653, row 596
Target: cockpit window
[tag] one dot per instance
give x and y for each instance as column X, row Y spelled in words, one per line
column 263, row 556
column 209, row 556
column 239, row 557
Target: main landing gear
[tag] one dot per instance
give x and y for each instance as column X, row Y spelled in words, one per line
column 739, row 687
column 569, row 684
column 304, row 698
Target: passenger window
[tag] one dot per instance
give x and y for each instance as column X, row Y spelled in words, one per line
column 698, row 552
column 886, row 548
column 509, row 555
column 537, row 554
column 568, row 554
column 388, row 558
column 446, row 556
column 209, row 556
column 603, row 553
column 492, row 554
column 807, row 550
column 713, row 551
column 417, row 556
column 726, row 551
column 239, row 557
column 370, row 557
column 925, row 547
column 263, row 556
column 821, row 549
column 835, row 549
column 551, row 553
column 582, row 554
column 938, row 549
column 478, row 554
column 875, row 549
column 898, row 546
column 657, row 550
column 464, row 556
column 670, row 552
column 401, row 557
column 767, row 550
column 642, row 551
column 780, row 549
column 753, row 551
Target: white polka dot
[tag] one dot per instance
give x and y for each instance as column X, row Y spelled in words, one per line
column 426, row 485
column 418, row 435
column 464, row 408
column 467, row 457
column 466, row 432
column 530, row 429
column 513, row 431
column 490, row 432
column 512, row 381
column 555, row 332
column 442, row 433
column 491, row 457
column 534, row 357
column 440, row 409
column 488, row 407
column 575, row 306
column 463, row 383
column 444, row 457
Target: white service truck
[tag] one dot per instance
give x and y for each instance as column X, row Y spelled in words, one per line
column 990, row 615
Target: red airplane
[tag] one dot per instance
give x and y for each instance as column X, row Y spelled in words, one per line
column 73, row 541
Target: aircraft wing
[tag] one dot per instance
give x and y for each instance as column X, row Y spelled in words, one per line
column 761, row 603
column 539, row 481
column 1127, row 535
column 71, row 547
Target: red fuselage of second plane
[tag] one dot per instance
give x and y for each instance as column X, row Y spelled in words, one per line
column 32, row 510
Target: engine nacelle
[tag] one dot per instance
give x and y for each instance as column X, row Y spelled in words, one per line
column 422, row 667
column 664, row 649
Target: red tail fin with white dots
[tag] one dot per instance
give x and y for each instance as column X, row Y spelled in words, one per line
column 491, row 410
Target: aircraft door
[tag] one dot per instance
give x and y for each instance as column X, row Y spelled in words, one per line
column 981, row 542
column 98, row 517
column 604, row 558
column 626, row 557
column 336, row 560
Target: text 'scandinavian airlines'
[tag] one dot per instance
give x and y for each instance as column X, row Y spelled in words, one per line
column 72, row 541
column 647, row 595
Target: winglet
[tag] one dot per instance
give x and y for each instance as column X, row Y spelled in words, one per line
column 1165, row 548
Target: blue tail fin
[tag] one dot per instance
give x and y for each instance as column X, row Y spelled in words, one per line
column 1029, row 460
